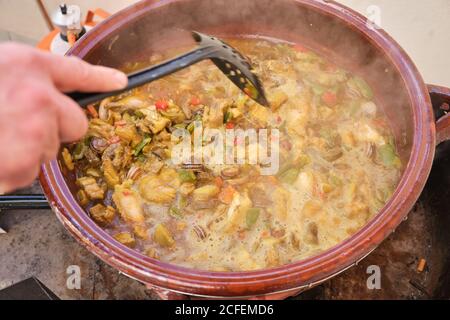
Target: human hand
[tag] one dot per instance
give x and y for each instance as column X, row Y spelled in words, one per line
column 35, row 116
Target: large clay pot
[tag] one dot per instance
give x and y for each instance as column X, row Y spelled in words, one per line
column 330, row 28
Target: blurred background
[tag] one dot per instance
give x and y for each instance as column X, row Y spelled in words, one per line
column 422, row 27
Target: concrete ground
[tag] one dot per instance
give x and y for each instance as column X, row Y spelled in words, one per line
column 37, row 245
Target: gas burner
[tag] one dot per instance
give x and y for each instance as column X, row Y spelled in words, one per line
column 67, row 19
column 69, row 27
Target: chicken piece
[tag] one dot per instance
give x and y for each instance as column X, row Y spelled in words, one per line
column 213, row 116
column 101, row 129
column 296, row 123
column 235, row 113
column 281, row 200
column 305, row 182
column 174, row 113
column 160, row 188
column 229, row 172
column 154, row 120
column 109, row 172
column 133, row 102
column 102, row 215
column 205, row 193
column 187, row 188
column 141, row 232
column 170, row 177
column 152, row 253
column 122, row 157
column 129, row 134
column 130, row 102
column 259, row 114
column 369, row 109
column 67, row 157
column 368, row 134
column 126, row 238
column 277, row 99
column 153, row 164
column 348, row 139
column 237, row 211
column 82, row 197
column 162, row 236
column 92, row 189
column 153, row 190
column 272, row 256
column 128, row 204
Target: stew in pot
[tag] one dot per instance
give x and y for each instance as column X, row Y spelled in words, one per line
column 337, row 163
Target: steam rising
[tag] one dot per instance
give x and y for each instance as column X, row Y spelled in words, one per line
column 337, row 40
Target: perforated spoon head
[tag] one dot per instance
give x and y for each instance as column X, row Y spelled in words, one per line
column 234, row 65
column 237, row 68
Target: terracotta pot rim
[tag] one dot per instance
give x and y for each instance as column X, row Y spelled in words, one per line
column 294, row 275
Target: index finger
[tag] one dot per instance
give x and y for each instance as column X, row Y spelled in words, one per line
column 74, row 74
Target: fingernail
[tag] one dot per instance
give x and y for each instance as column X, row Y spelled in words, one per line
column 121, row 79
